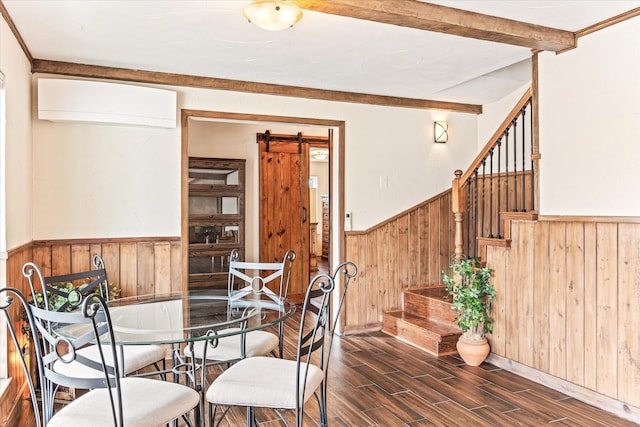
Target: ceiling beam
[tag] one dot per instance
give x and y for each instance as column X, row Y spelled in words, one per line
column 441, row 19
column 142, row 76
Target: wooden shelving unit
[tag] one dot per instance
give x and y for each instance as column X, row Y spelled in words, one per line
column 216, row 218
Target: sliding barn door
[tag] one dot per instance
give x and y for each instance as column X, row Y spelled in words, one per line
column 284, row 208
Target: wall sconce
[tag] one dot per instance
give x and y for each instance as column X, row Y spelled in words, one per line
column 440, row 131
column 272, row 15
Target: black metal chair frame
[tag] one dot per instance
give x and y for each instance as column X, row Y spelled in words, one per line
column 315, row 324
column 86, row 284
column 51, row 348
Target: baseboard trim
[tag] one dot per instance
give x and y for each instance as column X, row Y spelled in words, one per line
column 606, row 403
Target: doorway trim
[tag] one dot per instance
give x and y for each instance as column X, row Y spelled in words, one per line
column 336, row 177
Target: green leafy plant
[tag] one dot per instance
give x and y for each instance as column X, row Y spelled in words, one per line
column 57, row 301
column 472, row 295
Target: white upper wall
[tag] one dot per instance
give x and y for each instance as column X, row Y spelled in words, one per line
column 590, row 125
column 494, row 114
column 19, row 169
column 96, row 180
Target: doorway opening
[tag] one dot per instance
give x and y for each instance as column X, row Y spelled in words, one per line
column 194, row 125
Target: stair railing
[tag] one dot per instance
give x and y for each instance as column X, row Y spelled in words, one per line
column 501, row 179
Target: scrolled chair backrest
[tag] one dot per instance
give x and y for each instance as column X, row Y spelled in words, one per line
column 55, row 348
column 45, row 293
column 247, row 278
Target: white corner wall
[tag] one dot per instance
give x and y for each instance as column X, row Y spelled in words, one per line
column 590, row 125
column 493, row 114
column 18, row 150
column 95, row 180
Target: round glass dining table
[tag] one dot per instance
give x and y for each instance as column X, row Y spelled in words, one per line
column 180, row 319
column 187, row 317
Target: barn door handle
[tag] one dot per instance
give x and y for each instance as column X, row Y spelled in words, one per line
column 304, row 214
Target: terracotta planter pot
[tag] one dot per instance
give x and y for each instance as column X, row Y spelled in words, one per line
column 473, row 352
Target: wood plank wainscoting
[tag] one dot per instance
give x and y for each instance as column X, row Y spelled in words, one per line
column 407, row 251
column 566, row 315
column 135, row 265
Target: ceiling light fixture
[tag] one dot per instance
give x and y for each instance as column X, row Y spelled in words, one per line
column 272, row 15
column 320, row 154
column 440, row 131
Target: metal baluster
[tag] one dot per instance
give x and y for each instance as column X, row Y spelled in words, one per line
column 475, row 212
column 491, row 194
column 499, row 143
column 506, row 172
column 469, row 186
column 484, row 204
column 524, row 206
column 514, row 123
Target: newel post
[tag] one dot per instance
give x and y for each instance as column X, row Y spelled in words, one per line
column 457, row 202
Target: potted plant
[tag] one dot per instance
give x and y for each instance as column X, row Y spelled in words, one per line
column 472, row 295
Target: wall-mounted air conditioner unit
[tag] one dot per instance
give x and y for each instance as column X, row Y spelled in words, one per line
column 100, row 102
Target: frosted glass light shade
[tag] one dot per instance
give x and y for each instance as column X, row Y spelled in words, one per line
column 272, row 15
column 441, row 131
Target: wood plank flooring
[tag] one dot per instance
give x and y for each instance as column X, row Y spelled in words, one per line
column 376, row 380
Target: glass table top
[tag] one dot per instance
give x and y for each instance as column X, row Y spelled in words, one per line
column 178, row 317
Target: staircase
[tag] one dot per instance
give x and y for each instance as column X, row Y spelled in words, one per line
column 426, row 321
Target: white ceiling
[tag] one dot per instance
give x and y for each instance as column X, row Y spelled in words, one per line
column 211, row 39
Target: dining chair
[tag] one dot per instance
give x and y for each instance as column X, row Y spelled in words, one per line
column 67, row 292
column 283, row 384
column 112, row 400
column 247, row 281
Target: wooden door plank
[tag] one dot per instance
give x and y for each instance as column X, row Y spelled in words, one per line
column 496, row 259
column 629, row 315
column 575, row 303
column 128, row 269
column 511, row 291
column 525, row 282
column 433, row 278
column 162, row 263
column 414, row 249
column 145, row 268
column 373, row 291
column 541, row 273
column 111, row 257
column 423, row 238
column 42, row 256
column 81, row 258
column 60, row 259
column 177, row 284
column 354, row 297
column 402, row 260
column 395, row 290
column 557, row 299
column 590, row 301
column 607, row 308
column 382, row 262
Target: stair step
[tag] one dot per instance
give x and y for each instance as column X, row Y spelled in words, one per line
column 433, row 303
column 434, row 337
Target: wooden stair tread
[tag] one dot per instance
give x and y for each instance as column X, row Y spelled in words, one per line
column 435, row 292
column 433, row 326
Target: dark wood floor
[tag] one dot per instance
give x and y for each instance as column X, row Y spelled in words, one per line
column 376, row 380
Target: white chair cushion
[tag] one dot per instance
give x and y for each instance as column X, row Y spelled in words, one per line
column 266, row 382
column 135, row 358
column 258, row 343
column 146, row 402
